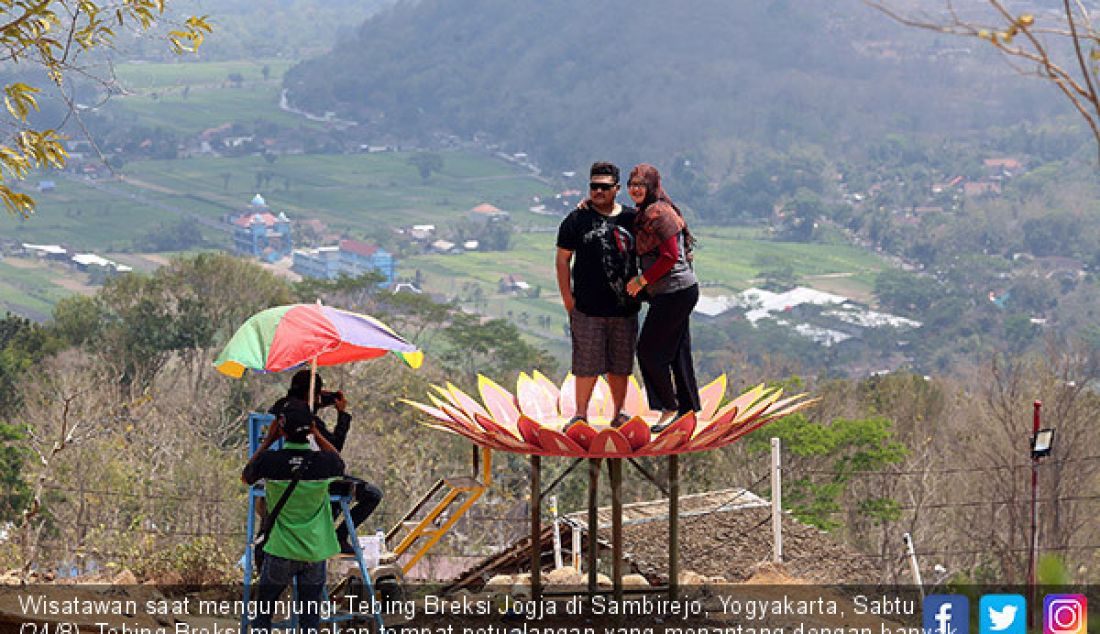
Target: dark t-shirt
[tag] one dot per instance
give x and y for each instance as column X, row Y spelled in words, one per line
column 603, row 260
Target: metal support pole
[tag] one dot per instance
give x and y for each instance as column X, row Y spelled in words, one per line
column 557, row 532
column 673, row 526
column 536, row 531
column 913, row 565
column 617, row 528
column 777, row 505
column 574, row 531
column 1033, row 547
column 593, row 522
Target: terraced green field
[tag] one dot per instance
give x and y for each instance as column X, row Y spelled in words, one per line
column 361, row 195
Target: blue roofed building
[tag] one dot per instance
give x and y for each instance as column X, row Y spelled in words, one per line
column 350, row 257
column 262, row 234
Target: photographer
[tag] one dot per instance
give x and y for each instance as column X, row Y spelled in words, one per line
column 367, row 496
column 301, row 538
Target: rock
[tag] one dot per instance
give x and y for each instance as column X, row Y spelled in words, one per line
column 603, row 581
column 635, row 581
column 499, row 583
column 691, row 578
column 771, row 573
column 125, row 578
column 567, row 576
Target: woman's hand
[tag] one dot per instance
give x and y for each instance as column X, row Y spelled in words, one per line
column 635, row 285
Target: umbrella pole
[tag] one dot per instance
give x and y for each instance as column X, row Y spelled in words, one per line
column 312, row 383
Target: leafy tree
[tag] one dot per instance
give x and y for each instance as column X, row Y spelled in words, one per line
column 905, row 292
column 136, row 323
column 50, row 36
column 1061, row 45
column 494, row 348
column 426, row 163
column 178, row 236
column 836, row 451
column 14, row 491
column 800, row 216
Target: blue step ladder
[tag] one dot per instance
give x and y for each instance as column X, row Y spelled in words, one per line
column 257, row 430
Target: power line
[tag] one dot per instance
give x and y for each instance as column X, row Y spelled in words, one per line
column 950, row 470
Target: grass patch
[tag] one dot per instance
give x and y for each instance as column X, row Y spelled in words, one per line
column 32, row 289
column 141, row 76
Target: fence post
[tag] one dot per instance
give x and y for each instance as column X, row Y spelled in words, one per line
column 913, row 563
column 777, row 504
column 557, row 532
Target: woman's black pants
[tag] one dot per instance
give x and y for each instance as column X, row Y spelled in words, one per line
column 664, row 352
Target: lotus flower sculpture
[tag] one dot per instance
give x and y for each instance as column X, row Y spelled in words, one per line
column 531, row 420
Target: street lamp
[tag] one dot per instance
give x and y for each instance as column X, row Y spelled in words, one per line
column 1042, row 442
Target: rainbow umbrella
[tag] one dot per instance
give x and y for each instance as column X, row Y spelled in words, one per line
column 286, row 337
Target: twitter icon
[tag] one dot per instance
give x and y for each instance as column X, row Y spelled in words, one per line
column 1002, row 614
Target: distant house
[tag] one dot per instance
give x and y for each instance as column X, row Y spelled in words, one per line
column 421, row 233
column 443, row 246
column 406, row 287
column 90, row 261
column 485, row 213
column 349, row 257
column 260, row 233
column 1005, row 166
column 568, row 199
column 513, row 284
column 357, row 258
column 46, row 186
column 322, row 262
column 981, row 188
column 48, row 251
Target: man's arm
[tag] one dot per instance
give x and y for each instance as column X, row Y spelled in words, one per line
column 274, row 432
column 561, row 267
column 322, row 443
column 343, row 423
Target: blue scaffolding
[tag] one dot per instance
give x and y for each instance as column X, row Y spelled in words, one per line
column 257, row 429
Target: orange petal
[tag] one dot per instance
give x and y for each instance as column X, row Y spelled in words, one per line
column 610, row 442
column 500, row 403
column 466, row 402
column 636, row 432
column 711, row 396
column 600, row 406
column 671, row 438
column 555, row 443
column 528, row 430
column 535, row 401
column 567, row 397
column 549, row 386
column 635, row 402
column 581, row 433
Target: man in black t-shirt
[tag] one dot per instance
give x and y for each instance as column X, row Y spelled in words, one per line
column 597, row 239
column 367, row 496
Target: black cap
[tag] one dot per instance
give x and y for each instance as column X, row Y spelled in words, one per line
column 299, row 385
column 297, row 421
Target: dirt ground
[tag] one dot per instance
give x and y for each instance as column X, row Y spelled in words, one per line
column 732, row 544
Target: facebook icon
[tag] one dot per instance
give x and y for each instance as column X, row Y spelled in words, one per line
column 946, row 614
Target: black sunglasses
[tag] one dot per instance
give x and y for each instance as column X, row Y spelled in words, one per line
column 602, row 187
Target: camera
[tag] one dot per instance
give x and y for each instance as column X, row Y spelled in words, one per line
column 330, row 398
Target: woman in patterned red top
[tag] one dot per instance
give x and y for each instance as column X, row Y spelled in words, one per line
column 668, row 281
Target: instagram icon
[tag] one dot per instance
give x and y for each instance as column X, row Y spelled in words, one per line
column 1065, row 614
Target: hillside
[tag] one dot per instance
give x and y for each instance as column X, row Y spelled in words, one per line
column 570, row 80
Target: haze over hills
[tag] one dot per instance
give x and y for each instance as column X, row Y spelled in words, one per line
column 569, row 80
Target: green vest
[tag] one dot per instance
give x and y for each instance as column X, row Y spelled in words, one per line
column 304, row 530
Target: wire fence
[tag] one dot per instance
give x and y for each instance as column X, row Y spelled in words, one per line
column 223, row 519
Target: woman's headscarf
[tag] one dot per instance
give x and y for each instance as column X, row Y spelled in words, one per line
column 658, row 217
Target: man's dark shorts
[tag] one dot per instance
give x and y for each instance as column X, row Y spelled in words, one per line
column 602, row 345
